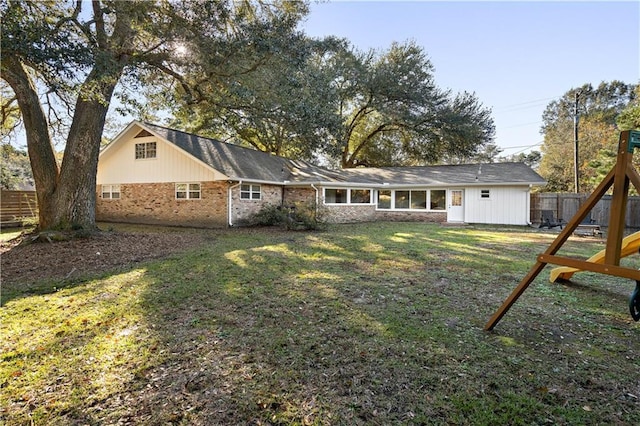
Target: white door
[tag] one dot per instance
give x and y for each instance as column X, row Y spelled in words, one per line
column 455, row 212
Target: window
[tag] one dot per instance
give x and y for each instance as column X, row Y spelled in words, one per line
column 419, row 200
column 402, row 200
column 188, row 191
column 145, row 150
column 438, row 199
column 347, row 196
column 434, row 199
column 360, row 196
column 111, row 192
column 384, row 199
column 335, row 196
column 485, row 193
column 250, row 192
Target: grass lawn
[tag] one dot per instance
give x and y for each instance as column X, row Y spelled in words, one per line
column 371, row 324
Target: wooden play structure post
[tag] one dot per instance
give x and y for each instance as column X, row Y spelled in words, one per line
column 620, row 177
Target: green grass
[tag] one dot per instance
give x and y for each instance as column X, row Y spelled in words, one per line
column 370, row 324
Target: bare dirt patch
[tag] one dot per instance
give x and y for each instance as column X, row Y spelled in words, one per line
column 24, row 262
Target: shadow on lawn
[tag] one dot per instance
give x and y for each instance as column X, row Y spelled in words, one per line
column 281, row 328
column 371, row 328
column 356, row 326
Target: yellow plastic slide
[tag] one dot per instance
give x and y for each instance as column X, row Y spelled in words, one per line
column 630, row 245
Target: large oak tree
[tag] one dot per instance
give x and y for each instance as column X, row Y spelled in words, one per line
column 392, row 112
column 65, row 61
column 325, row 100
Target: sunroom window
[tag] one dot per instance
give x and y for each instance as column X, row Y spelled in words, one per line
column 438, row 199
column 335, row 196
column 402, row 199
column 434, row 199
column 360, row 196
column 384, row 199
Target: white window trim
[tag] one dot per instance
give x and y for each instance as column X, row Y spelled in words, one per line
column 135, row 151
column 488, row 191
column 359, row 189
column 393, row 200
column 251, row 192
column 324, row 196
column 111, row 191
column 348, row 202
column 188, row 191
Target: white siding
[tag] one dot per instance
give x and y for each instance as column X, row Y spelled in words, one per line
column 506, row 205
column 118, row 165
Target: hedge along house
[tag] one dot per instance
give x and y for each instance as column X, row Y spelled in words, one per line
column 155, row 175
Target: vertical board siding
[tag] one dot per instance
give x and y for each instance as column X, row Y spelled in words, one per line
column 506, row 205
column 119, row 166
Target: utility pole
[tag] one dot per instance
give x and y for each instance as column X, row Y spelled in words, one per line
column 576, row 117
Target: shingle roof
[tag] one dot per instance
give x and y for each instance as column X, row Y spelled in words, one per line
column 232, row 160
column 462, row 174
column 238, row 162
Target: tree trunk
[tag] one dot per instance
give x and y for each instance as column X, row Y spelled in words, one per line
column 41, row 154
column 66, row 195
column 76, row 195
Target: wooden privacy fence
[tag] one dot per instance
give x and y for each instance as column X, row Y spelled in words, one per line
column 565, row 205
column 17, row 206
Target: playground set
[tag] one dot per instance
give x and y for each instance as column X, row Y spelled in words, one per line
column 606, row 261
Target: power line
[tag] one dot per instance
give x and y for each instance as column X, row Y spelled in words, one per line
column 525, row 104
column 525, row 147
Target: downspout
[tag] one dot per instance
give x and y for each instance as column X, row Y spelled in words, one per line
column 529, row 206
column 317, row 198
column 230, row 193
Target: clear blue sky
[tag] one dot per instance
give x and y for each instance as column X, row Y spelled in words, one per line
column 516, row 56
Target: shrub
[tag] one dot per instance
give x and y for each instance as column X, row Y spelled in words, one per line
column 269, row 215
column 299, row 216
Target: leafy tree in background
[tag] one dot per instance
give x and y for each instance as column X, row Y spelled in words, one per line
column 392, row 113
column 15, row 172
column 532, row 159
column 78, row 59
column 285, row 107
column 324, row 101
column 629, row 118
column 597, row 134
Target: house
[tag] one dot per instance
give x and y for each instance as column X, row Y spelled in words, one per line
column 152, row 174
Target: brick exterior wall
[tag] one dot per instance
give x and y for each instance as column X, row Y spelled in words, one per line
column 242, row 210
column 349, row 213
column 353, row 214
column 156, row 203
column 293, row 195
column 414, row 216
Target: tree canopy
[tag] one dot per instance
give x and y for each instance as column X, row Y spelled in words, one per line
column 240, row 70
column 284, row 107
column 598, row 109
column 325, row 100
column 64, row 61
